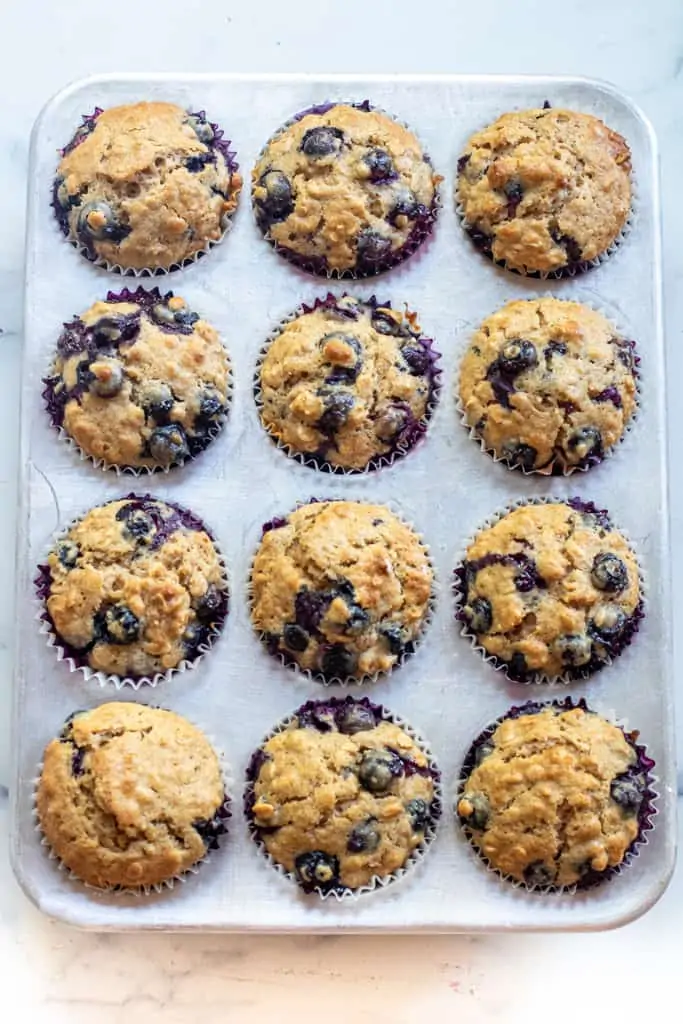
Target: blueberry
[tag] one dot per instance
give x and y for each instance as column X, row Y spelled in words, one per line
column 380, row 165
column 527, row 578
column 157, row 400
column 482, row 751
column 419, row 813
column 353, row 718
column 322, row 141
column 364, row 837
column 519, row 455
column 607, row 623
column 194, row 636
column 210, row 604
column 137, row 524
column 110, row 330
column 418, row 359
column 390, row 422
column 338, row 662
column 514, row 193
column 309, row 608
column 393, row 635
column 478, row 615
column 384, row 323
column 357, row 620
column 342, row 373
column 211, row 405
column 627, row 791
column 105, row 227
column 575, row 649
column 474, row 811
column 372, row 248
column 316, row 869
column 610, row 394
column 569, row 244
column 407, row 206
column 168, row 445
column 295, row 638
column 278, row 202
column 173, row 318
column 77, row 757
column 338, row 405
column 463, row 162
column 609, row 573
column 198, row 161
column 67, row 553
column 378, row 768
column 185, row 318
column 583, row 443
column 517, row 666
column 625, row 352
column 202, row 129
column 554, row 348
column 539, row 875
column 516, row 356
column 120, row 625
column 109, row 381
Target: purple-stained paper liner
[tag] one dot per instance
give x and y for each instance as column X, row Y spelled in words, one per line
column 647, row 811
column 555, row 468
column 572, row 673
column 214, row 832
column 77, row 659
column 317, row 714
column 422, row 228
column 409, row 649
column 219, row 143
column 414, row 430
column 55, row 404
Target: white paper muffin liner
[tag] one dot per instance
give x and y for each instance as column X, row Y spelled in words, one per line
column 415, row 243
column 349, row 682
column 343, row 894
column 137, row 471
column 572, row 269
column 224, row 813
column 540, row 678
column 378, row 462
column 117, row 268
column 621, row 331
column 647, row 812
column 42, row 583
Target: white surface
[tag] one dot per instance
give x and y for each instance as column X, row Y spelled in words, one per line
column 57, row 975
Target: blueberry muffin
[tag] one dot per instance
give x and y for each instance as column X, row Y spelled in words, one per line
column 139, row 381
column 342, row 588
column 134, row 588
column 555, row 796
column 130, row 796
column 550, row 590
column 348, row 384
column 545, row 191
column 548, row 385
column 145, row 186
column 344, row 190
column 340, row 795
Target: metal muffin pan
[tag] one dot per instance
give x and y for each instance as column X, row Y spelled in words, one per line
column 447, row 487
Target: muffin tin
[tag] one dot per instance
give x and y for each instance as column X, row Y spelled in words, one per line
column 446, row 486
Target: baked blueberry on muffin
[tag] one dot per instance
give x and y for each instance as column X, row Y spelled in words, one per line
column 545, row 191
column 146, row 186
column 139, row 381
column 134, row 588
column 555, row 796
column 130, row 796
column 340, row 796
column 550, row 590
column 548, row 385
column 342, row 588
column 344, row 190
column 348, row 384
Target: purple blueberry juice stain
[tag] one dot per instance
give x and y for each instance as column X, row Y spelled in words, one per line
column 610, row 394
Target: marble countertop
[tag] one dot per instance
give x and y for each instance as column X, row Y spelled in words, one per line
column 56, row 974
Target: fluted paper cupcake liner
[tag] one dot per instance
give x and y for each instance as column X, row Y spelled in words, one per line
column 76, row 660
column 571, row 674
column 411, row 434
column 646, row 812
column 219, row 143
column 316, row 710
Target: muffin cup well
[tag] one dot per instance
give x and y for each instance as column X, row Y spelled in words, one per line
column 217, row 832
column 646, row 813
column 412, row 434
column 318, row 676
column 553, row 468
column 220, row 143
column 328, row 707
column 422, row 228
column 482, row 242
column 143, row 297
column 76, row 660
column 571, row 674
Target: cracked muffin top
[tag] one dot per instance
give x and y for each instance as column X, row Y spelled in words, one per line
column 346, row 190
column 545, row 190
column 146, row 186
column 347, row 383
column 552, row 798
column 130, row 796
